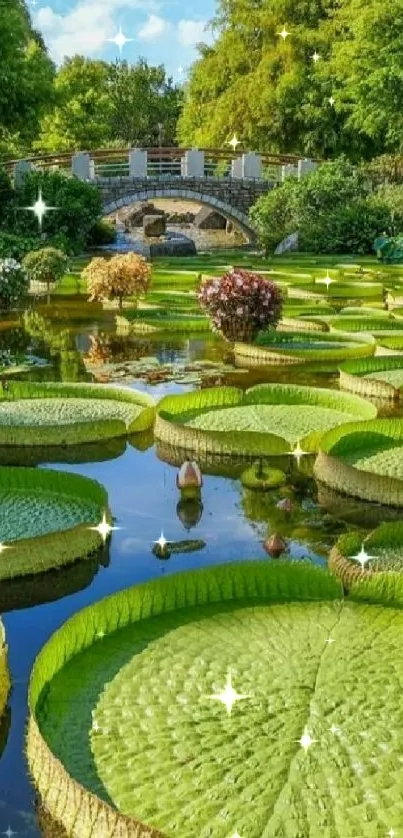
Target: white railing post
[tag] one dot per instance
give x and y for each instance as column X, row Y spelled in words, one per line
column 305, row 166
column 289, row 170
column 251, row 165
column 138, row 162
column 192, row 163
column 80, row 165
column 236, row 167
column 20, row 170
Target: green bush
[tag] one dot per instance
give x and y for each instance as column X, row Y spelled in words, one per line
column 275, row 214
column 15, row 247
column 332, row 208
column 349, row 229
column 391, row 196
column 103, row 232
column 79, row 206
column 6, row 192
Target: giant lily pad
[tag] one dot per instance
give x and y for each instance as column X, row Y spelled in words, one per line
column 268, row 418
column 45, row 517
column 383, row 558
column 282, row 347
column 55, row 414
column 364, row 460
column 380, row 377
column 123, row 719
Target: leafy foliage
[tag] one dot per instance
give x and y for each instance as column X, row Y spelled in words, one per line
column 118, row 277
column 45, row 265
column 13, row 282
column 103, row 232
column 78, row 206
column 332, row 209
column 241, row 303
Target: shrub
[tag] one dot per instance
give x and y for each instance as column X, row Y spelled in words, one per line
column 6, row 192
column 349, row 229
column 45, row 265
column 79, row 206
column 275, row 214
column 118, row 277
column 13, row 282
column 240, row 304
column 103, row 232
column 307, row 204
column 15, row 246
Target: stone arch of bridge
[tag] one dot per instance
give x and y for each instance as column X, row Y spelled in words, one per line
column 238, row 218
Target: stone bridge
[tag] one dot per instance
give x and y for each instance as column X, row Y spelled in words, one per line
column 176, row 173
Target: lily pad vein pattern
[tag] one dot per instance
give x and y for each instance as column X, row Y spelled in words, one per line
column 164, row 752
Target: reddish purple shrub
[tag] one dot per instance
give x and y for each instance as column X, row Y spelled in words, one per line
column 240, row 304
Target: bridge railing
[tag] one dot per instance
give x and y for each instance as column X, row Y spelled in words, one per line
column 167, row 162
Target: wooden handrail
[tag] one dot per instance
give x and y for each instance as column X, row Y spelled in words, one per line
column 173, row 152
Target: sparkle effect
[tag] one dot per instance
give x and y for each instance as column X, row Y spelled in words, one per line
column 315, row 57
column 162, row 542
column 330, row 640
column 362, row 557
column 234, row 142
column 391, row 833
column 95, row 726
column 9, row 832
column 228, row 696
column 104, row 528
column 283, row 34
column 120, row 40
column 332, row 101
column 236, row 835
column 326, row 281
column 298, row 453
column 39, row 208
column 306, row 741
column 334, row 729
column 4, row 546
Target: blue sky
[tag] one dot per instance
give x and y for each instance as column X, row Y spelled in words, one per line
column 166, row 31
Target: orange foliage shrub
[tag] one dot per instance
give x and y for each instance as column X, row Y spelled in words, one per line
column 121, row 276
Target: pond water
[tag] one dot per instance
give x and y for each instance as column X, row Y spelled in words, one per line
column 144, row 501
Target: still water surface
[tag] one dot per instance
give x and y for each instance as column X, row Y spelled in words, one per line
column 143, row 498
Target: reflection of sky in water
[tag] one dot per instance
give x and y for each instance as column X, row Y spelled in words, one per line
column 143, row 498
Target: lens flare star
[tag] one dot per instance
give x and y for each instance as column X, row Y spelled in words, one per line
column 330, row 640
column 4, row 546
column 9, row 832
column 120, row 40
column 326, row 281
column 236, row 835
column 306, row 741
column 104, row 528
column 228, row 696
column 298, row 453
column 331, row 101
column 162, row 542
column 315, row 57
column 391, row 833
column 234, row 142
column 283, row 34
column 362, row 557
column 39, row 208
column 334, row 729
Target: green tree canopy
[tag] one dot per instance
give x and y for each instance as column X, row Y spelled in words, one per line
column 26, row 78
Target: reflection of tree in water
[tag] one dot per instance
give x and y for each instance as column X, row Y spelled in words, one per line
column 305, row 523
column 61, row 345
column 106, row 347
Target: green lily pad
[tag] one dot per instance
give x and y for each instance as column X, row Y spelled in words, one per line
column 130, row 714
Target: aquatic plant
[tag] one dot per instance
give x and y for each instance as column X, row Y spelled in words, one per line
column 45, row 518
column 290, row 347
column 240, row 303
column 50, row 413
column 364, row 460
column 266, row 419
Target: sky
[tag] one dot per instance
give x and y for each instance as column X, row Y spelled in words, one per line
column 165, row 31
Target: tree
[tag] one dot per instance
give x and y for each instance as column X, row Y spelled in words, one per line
column 82, row 112
column 26, row 77
column 142, row 98
column 78, row 206
column 117, row 277
column 45, row 265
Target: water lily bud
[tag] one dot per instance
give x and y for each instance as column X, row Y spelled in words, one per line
column 189, row 476
column 275, row 545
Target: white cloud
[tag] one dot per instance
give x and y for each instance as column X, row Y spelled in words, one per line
column 153, row 28
column 190, row 32
column 84, row 30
